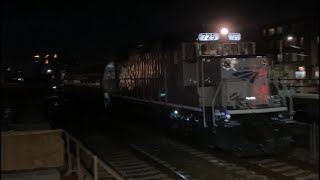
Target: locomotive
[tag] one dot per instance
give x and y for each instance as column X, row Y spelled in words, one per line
column 216, row 84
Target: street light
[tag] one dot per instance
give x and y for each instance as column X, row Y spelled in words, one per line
column 224, row 31
column 281, row 44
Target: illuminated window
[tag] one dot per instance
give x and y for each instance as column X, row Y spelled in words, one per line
column 271, row 31
column 279, row 30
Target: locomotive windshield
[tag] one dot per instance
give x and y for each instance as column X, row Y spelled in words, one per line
column 226, row 48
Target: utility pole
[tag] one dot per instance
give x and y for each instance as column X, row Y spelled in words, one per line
column 3, row 57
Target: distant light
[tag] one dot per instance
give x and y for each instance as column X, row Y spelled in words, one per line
column 250, row 98
column 46, row 61
column 55, row 56
column 54, row 87
column 36, row 56
column 224, row 31
column 46, row 56
column 162, row 94
column 20, row 79
column 176, row 112
column 289, row 38
column 49, row 71
column 8, row 69
column 301, row 68
column 36, row 61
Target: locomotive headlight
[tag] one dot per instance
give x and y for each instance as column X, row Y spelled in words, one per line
column 250, row 98
column 224, row 31
column 174, row 114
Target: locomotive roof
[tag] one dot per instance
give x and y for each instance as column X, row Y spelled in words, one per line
column 239, row 56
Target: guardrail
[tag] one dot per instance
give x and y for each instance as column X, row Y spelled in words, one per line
column 314, row 142
column 96, row 161
column 300, row 85
column 78, row 147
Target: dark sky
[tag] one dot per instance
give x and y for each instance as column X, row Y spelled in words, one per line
column 101, row 27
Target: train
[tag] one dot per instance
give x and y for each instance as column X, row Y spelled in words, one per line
column 216, row 84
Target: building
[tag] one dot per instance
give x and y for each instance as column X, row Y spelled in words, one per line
column 292, row 47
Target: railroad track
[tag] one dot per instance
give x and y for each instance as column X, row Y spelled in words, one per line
column 272, row 168
column 238, row 168
column 194, row 164
column 130, row 163
column 276, row 166
column 152, row 156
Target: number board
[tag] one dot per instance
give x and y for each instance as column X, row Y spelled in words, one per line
column 234, row 36
column 208, row 36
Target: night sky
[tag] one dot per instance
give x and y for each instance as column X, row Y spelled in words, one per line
column 92, row 28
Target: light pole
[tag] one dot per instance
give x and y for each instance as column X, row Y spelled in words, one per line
column 280, row 56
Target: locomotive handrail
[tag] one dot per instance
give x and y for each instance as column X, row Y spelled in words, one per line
column 213, row 103
column 283, row 98
column 278, row 91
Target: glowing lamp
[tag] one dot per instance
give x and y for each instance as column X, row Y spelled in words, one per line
column 224, row 31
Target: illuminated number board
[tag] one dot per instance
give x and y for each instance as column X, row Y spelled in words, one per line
column 208, row 36
column 234, row 36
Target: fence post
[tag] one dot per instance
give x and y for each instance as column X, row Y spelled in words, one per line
column 78, row 161
column 313, row 141
column 69, row 153
column 95, row 168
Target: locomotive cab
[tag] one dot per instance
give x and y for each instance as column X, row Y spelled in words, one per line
column 239, row 102
column 233, row 81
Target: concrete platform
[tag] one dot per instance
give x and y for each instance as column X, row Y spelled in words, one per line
column 51, row 174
